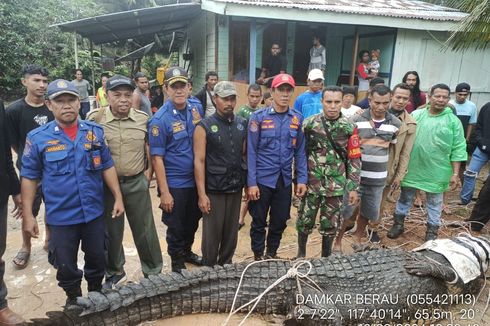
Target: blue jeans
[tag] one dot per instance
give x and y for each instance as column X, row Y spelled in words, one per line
column 434, row 205
column 478, row 160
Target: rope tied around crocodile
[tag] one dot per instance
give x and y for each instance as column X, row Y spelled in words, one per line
column 292, row 272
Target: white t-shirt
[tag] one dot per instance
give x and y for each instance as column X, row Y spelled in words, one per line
column 350, row 111
column 210, row 109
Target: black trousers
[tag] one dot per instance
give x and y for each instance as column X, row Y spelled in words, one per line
column 63, row 254
column 182, row 222
column 276, row 203
column 3, row 243
column 481, row 212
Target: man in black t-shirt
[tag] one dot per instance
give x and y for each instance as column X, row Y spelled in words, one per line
column 273, row 65
column 22, row 116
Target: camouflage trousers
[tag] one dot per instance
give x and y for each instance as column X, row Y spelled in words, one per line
column 330, row 214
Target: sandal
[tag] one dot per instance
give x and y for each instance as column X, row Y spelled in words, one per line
column 23, row 257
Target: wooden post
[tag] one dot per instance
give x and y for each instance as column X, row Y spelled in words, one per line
column 355, row 49
column 75, row 47
column 93, row 66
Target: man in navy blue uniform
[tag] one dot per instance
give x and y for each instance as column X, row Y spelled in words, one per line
column 275, row 138
column 72, row 161
column 170, row 136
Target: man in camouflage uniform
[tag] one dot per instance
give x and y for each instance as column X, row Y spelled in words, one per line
column 332, row 148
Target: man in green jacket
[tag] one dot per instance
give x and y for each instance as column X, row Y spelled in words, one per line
column 439, row 148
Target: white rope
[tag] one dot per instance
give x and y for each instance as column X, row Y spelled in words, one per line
column 293, row 272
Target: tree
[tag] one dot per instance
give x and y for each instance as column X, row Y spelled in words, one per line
column 474, row 30
column 27, row 38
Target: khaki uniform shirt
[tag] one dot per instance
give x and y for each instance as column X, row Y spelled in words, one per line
column 126, row 139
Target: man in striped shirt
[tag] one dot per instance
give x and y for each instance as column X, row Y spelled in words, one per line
column 377, row 130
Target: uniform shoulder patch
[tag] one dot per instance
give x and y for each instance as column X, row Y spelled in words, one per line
column 27, row 148
column 254, row 126
column 90, row 136
column 155, row 131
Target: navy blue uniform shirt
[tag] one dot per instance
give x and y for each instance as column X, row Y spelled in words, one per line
column 274, row 139
column 170, row 136
column 70, row 171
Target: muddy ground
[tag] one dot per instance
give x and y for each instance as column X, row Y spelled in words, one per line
column 34, row 291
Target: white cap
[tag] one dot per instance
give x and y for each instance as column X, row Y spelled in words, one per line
column 316, row 74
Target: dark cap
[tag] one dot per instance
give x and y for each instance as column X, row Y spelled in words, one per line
column 463, row 87
column 118, row 80
column 61, row 86
column 176, row 74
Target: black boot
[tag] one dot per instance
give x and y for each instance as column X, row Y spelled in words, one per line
column 178, row 263
column 193, row 258
column 72, row 295
column 302, row 240
column 327, row 241
column 97, row 287
column 431, row 233
column 398, row 226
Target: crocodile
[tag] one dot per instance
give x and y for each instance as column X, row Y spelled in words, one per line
column 379, row 285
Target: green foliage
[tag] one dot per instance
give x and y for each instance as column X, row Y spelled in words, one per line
column 27, row 38
column 150, row 63
column 474, row 30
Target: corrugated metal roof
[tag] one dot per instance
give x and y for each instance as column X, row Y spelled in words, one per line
column 390, row 8
column 134, row 23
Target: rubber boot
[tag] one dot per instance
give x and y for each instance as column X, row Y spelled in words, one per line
column 431, row 233
column 72, row 295
column 178, row 263
column 327, row 241
column 398, row 226
column 302, row 240
column 97, row 287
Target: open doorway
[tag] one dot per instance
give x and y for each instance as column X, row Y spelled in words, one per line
column 239, row 51
column 302, row 45
column 273, row 33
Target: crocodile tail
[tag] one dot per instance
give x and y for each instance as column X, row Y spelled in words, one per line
column 163, row 296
